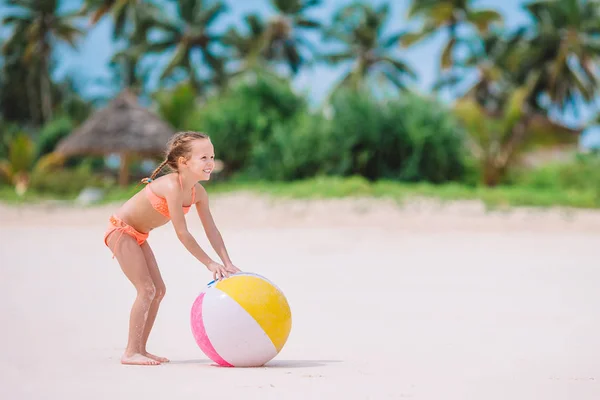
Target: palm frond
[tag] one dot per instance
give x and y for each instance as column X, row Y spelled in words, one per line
column 400, row 67
column 335, row 58
column 482, row 19
column 178, row 59
column 206, row 17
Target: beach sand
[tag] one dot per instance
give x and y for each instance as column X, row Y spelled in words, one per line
column 424, row 301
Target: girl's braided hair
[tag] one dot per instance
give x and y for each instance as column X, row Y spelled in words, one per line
column 180, row 145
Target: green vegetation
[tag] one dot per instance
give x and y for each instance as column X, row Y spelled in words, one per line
column 571, row 184
column 336, row 187
column 359, row 187
column 373, row 135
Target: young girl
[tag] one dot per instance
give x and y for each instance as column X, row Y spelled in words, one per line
column 191, row 156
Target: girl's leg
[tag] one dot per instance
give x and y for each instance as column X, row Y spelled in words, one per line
column 133, row 263
column 159, row 285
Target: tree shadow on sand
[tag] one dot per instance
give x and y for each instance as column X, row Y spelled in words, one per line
column 271, row 364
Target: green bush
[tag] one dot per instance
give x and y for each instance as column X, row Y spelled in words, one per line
column 408, row 139
column 581, row 173
column 8, row 131
column 295, row 150
column 52, row 133
column 263, row 130
column 176, row 106
column 246, row 116
column 67, row 182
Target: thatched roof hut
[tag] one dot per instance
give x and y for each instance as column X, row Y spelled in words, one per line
column 123, row 127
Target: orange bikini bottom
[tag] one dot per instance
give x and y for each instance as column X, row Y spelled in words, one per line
column 117, row 224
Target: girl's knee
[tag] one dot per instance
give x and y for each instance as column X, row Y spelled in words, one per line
column 160, row 292
column 147, row 291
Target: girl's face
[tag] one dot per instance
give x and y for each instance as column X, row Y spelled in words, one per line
column 202, row 159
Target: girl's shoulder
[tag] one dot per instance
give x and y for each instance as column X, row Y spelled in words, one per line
column 169, row 178
column 165, row 183
column 201, row 194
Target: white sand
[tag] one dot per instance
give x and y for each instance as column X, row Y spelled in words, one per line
column 425, row 302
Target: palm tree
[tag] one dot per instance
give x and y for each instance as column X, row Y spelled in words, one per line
column 358, row 28
column 562, row 46
column 500, row 135
column 283, row 38
column 247, row 49
column 19, row 93
column 133, row 20
column 497, row 110
column 99, row 8
column 136, row 12
column 448, row 15
column 190, row 31
column 37, row 26
column 492, row 57
column 127, row 71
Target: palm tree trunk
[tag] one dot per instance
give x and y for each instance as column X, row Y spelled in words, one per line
column 518, row 134
column 46, row 97
column 492, row 173
column 358, row 74
column 198, row 89
column 495, row 169
column 32, row 98
column 124, row 170
column 45, row 89
column 452, row 36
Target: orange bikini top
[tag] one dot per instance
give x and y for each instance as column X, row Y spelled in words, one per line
column 160, row 203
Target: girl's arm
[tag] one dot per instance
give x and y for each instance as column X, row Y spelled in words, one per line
column 174, row 199
column 212, row 232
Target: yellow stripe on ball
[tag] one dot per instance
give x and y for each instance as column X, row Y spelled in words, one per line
column 271, row 311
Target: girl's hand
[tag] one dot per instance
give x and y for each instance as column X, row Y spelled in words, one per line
column 218, row 270
column 232, row 269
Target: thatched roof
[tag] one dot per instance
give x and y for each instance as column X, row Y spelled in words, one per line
column 122, row 126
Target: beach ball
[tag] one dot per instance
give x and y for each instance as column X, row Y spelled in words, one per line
column 241, row 321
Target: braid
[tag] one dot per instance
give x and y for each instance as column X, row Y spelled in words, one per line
column 155, row 172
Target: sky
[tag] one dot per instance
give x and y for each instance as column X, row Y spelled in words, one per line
column 91, row 58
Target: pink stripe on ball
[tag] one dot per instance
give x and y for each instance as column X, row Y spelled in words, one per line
column 199, row 332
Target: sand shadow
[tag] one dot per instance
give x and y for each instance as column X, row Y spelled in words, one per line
column 299, row 363
column 195, row 361
column 271, row 364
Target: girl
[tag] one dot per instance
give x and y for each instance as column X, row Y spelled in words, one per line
column 191, row 156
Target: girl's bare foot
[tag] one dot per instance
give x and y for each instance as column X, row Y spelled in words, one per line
column 138, row 359
column 157, row 358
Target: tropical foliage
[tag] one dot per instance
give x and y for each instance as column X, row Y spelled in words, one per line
column 359, row 29
column 22, row 162
column 451, row 16
column 236, row 82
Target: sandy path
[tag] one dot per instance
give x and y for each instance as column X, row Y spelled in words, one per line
column 474, row 306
